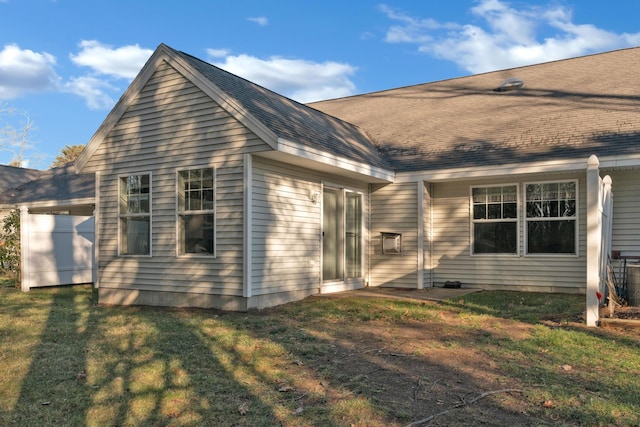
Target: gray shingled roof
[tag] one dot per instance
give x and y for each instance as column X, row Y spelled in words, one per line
column 51, row 185
column 567, row 109
column 291, row 120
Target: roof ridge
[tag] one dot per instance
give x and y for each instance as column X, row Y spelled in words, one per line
column 475, row 75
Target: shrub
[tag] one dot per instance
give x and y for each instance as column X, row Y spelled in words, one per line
column 10, row 245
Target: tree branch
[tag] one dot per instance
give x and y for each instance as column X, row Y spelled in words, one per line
column 459, row 405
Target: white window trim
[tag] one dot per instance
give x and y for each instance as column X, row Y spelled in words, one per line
column 150, row 215
column 576, row 218
column 204, row 211
column 472, row 221
column 344, row 189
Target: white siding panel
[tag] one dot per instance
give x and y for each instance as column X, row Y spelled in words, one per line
column 626, row 212
column 452, row 260
column 286, row 229
column 287, row 226
column 172, row 125
column 394, row 209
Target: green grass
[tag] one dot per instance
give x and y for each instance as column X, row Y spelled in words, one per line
column 66, row 361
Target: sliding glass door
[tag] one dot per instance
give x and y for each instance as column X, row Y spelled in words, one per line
column 341, row 234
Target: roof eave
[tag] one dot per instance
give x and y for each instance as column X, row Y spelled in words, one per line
column 366, row 171
column 496, row 171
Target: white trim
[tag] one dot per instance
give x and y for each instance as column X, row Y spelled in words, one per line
column 121, row 107
column 248, row 225
column 165, row 54
column 594, row 236
column 575, row 218
column 626, row 160
column 213, row 211
column 96, row 232
column 342, row 191
column 469, row 173
column 224, row 100
column 431, row 235
column 124, row 175
column 309, row 153
column 472, row 221
column 57, row 203
column 25, row 282
column 420, row 225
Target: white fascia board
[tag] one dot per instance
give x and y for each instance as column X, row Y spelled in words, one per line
column 309, row 153
column 458, row 174
column 225, row 101
column 57, row 203
column 625, row 161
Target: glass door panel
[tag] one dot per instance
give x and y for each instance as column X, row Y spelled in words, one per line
column 353, row 237
column 331, row 244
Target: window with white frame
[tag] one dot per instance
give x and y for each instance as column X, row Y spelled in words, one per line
column 196, row 211
column 135, row 214
column 551, row 217
column 495, row 219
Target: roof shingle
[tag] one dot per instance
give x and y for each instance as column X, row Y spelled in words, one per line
column 567, row 109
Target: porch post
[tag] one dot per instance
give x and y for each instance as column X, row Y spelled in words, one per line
column 248, row 226
column 25, row 263
column 594, row 237
column 420, row 234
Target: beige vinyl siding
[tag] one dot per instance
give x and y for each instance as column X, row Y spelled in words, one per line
column 626, row 212
column 394, row 209
column 287, row 225
column 171, row 126
column 452, row 259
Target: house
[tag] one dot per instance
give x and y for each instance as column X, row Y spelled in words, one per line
column 212, row 191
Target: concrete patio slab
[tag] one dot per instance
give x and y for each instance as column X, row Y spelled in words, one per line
column 427, row 294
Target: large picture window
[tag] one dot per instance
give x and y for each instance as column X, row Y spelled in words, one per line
column 551, row 217
column 135, row 214
column 495, row 219
column 196, row 212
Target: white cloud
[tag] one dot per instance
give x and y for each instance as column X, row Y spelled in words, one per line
column 260, row 20
column 23, row 70
column 304, row 81
column 108, row 65
column 93, row 90
column 217, row 53
column 507, row 37
column 122, row 62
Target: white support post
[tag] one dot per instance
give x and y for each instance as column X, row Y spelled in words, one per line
column 594, row 239
column 420, row 225
column 248, row 225
column 25, row 283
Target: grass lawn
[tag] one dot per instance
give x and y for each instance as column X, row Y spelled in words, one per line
column 489, row 358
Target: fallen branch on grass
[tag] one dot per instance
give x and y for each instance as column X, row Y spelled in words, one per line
column 459, row 405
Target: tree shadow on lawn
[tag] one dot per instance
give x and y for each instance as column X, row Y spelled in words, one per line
column 301, row 364
column 406, row 369
column 53, row 392
column 126, row 366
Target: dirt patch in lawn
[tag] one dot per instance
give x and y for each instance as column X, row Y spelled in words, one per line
column 416, row 372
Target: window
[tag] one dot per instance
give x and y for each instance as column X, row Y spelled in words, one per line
column 135, row 215
column 551, row 217
column 495, row 219
column 196, row 211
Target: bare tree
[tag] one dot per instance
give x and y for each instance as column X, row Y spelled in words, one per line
column 12, row 139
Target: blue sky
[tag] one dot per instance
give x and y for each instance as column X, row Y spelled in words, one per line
column 64, row 63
